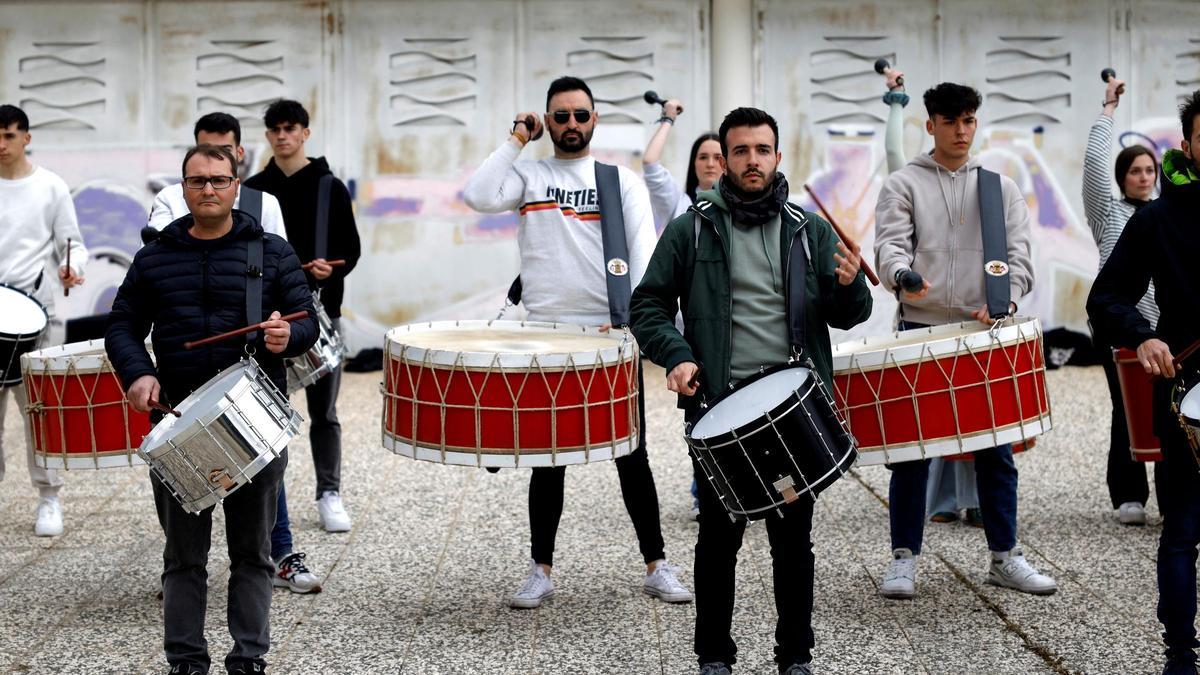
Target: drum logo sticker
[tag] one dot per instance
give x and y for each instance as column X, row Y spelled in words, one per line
column 996, row 268
column 618, row 267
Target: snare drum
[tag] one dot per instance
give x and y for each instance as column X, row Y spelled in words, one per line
column 510, row 394
column 1185, row 404
column 1137, row 395
column 229, row 430
column 771, row 440
column 22, row 321
column 78, row 411
column 325, row 356
column 943, row 390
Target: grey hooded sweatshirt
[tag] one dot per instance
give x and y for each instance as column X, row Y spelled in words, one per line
column 927, row 220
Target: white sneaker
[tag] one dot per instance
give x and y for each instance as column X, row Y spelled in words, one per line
column 1131, row 513
column 663, row 584
column 900, row 579
column 333, row 515
column 1012, row 570
column 49, row 517
column 537, row 587
column 291, row 573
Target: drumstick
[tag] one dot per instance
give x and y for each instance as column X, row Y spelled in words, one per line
column 866, row 268
column 167, row 409
column 294, row 316
column 1183, row 355
column 66, row 288
column 332, row 263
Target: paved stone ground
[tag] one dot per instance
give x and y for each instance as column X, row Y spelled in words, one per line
column 420, row 584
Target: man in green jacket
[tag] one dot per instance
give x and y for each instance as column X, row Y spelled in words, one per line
column 731, row 264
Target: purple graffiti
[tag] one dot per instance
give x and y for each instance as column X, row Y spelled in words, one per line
column 394, row 206
column 109, row 217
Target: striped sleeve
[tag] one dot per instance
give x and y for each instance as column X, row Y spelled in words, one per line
column 1097, row 187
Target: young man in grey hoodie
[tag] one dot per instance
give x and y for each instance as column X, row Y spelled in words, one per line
column 927, row 220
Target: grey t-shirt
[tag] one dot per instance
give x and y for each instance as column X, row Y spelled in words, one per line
column 759, row 312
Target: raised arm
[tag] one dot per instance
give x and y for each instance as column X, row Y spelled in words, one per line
column 893, row 137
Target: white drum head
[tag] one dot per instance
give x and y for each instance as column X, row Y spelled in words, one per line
column 203, row 402
column 749, row 403
column 501, row 341
column 1190, row 406
column 509, row 344
column 20, row 314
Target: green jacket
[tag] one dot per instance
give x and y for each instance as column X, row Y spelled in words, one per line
column 689, row 271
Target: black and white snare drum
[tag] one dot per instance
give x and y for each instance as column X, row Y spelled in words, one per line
column 22, row 321
column 771, row 440
column 1185, row 404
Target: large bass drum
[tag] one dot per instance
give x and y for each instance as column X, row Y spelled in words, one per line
column 771, row 440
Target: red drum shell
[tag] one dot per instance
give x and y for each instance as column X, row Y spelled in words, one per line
column 579, row 409
column 1137, row 395
column 941, row 391
column 78, row 411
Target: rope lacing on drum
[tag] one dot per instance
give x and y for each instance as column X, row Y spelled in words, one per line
column 34, row 408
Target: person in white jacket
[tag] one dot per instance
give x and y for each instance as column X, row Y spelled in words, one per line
column 223, row 130
column 927, row 219
column 563, row 279
column 37, row 225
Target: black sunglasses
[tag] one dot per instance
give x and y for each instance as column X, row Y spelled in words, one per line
column 582, row 115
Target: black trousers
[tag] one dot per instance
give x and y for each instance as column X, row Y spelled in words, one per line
column 1126, row 477
column 637, row 489
column 324, row 431
column 792, row 563
column 249, row 517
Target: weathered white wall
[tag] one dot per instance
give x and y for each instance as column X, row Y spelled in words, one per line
column 408, row 97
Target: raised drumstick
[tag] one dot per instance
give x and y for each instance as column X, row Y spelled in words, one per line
column 332, row 263
column 883, row 67
column 294, row 316
column 66, row 288
column 866, row 267
column 1108, row 74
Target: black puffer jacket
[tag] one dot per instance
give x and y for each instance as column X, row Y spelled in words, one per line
column 187, row 289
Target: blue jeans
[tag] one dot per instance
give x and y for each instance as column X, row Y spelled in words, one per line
column 281, row 534
column 996, row 478
column 1178, row 486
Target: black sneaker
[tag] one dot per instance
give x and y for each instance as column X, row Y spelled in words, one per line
column 1180, row 663
column 715, row 668
column 247, row 668
column 186, row 669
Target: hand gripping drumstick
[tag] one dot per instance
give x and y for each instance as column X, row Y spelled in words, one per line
column 1108, row 74
column 531, row 122
column 294, row 316
column 332, row 263
column 866, row 267
column 882, row 67
column 653, row 98
column 67, row 289
column 167, row 409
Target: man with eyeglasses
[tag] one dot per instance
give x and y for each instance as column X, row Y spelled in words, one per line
column 223, row 130
column 37, row 224
column 192, row 282
column 563, row 275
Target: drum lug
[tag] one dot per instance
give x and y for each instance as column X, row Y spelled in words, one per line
column 786, row 488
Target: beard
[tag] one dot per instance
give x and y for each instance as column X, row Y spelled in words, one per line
column 572, row 141
column 740, row 184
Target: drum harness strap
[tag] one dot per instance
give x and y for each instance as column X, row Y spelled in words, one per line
column 250, row 202
column 321, row 235
column 254, row 288
column 995, row 244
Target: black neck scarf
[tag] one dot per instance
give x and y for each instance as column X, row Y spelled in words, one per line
column 1137, row 204
column 754, row 208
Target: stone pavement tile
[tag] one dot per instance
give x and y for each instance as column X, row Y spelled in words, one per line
column 472, row 635
column 356, row 646
column 96, row 648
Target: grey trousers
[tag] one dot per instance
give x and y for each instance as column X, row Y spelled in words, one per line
column 325, row 432
column 249, row 516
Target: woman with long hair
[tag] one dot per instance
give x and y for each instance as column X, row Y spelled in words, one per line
column 1136, row 172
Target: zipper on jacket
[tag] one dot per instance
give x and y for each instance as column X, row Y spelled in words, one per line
column 954, row 230
column 205, row 306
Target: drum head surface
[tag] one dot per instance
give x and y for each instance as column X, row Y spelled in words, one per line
column 202, row 403
column 750, row 402
column 502, row 341
column 1190, row 406
column 19, row 313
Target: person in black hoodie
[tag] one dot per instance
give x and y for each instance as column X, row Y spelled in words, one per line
column 187, row 284
column 296, row 180
column 1159, row 243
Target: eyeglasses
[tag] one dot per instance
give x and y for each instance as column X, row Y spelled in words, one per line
column 582, row 115
column 198, row 182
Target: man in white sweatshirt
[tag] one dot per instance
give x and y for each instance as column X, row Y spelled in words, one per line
column 928, row 220
column 563, row 277
column 223, row 130
column 37, row 219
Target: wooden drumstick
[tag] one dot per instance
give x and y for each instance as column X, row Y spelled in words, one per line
column 66, row 288
column 866, row 267
column 1183, row 355
column 332, row 263
column 294, row 316
column 167, row 409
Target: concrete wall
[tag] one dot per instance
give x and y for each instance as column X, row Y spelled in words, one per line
column 408, row 97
